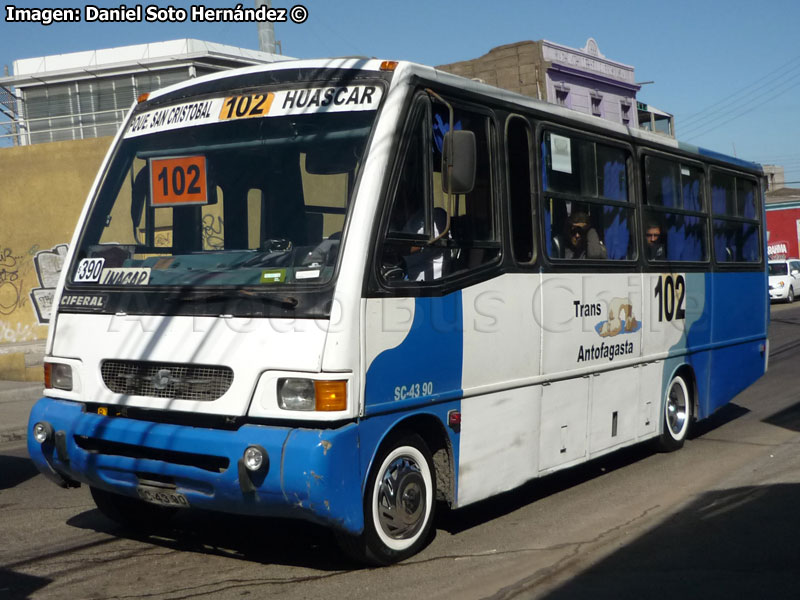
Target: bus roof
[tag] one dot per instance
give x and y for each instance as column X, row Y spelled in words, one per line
column 405, row 69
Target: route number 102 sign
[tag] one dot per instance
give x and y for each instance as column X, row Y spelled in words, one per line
column 178, row 181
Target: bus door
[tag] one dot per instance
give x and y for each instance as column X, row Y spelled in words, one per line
column 591, row 299
column 442, row 328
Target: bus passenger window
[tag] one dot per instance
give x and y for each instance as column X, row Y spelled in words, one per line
column 673, row 194
column 587, row 211
column 736, row 225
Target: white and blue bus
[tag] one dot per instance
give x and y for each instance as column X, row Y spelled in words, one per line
column 346, row 290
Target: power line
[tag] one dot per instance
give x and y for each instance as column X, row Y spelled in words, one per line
column 704, row 131
column 776, row 90
column 730, row 98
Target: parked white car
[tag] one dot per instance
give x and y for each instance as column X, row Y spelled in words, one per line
column 784, row 279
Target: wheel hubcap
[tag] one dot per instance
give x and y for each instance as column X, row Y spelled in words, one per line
column 401, row 499
column 676, row 410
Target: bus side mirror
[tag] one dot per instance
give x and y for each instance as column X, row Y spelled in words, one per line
column 458, row 162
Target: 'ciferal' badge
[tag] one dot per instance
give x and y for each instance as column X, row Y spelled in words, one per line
column 84, row 301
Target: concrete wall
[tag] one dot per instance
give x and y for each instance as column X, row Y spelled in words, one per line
column 42, row 191
column 517, row 67
column 776, row 178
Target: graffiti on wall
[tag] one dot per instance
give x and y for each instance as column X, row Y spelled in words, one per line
column 48, row 264
column 13, row 269
column 16, row 333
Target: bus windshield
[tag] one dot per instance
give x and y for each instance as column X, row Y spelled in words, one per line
column 242, row 199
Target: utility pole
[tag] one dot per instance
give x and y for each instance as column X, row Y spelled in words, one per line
column 266, row 31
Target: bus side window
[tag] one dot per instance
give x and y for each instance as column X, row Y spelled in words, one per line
column 473, row 236
column 409, row 226
column 410, row 194
column 736, row 226
column 587, row 208
column 520, row 189
column 675, row 224
column 431, row 236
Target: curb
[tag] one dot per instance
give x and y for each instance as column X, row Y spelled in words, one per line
column 16, row 400
column 14, row 435
column 12, row 391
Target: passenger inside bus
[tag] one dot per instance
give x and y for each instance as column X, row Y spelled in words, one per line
column 580, row 239
column 655, row 243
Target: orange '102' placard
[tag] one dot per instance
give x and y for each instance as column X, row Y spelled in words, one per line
column 178, row 181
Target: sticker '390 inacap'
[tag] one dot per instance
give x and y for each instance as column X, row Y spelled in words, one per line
column 125, row 276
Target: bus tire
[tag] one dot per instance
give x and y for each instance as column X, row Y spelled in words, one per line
column 129, row 511
column 676, row 416
column 399, row 503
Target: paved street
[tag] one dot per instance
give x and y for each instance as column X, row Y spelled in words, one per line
column 716, row 519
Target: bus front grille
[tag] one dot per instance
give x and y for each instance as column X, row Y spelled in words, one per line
column 166, row 380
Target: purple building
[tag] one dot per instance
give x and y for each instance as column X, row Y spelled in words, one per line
column 581, row 79
column 588, row 82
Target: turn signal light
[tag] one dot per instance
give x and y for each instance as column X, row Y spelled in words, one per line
column 331, row 395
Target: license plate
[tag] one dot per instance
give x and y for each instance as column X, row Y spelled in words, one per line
column 162, row 497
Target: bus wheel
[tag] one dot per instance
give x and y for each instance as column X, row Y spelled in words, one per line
column 399, row 503
column 131, row 512
column 677, row 414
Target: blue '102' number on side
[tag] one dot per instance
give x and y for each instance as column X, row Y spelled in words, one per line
column 415, row 390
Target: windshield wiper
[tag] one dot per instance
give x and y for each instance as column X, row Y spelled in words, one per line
column 216, row 296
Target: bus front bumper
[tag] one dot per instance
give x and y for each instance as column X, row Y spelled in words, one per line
column 311, row 474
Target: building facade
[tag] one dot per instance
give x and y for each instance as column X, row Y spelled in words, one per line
column 776, row 179
column 586, row 81
column 783, row 223
column 582, row 79
column 84, row 95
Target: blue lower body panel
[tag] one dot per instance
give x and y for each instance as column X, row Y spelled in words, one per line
column 313, row 474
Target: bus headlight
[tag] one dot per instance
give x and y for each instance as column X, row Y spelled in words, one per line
column 296, row 394
column 309, row 394
column 58, row 376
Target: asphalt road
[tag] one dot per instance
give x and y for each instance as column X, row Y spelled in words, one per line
column 718, row 519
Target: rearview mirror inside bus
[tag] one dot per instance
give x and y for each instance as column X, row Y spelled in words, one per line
column 458, row 156
column 331, row 159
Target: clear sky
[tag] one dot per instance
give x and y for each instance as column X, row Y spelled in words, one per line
column 729, row 70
